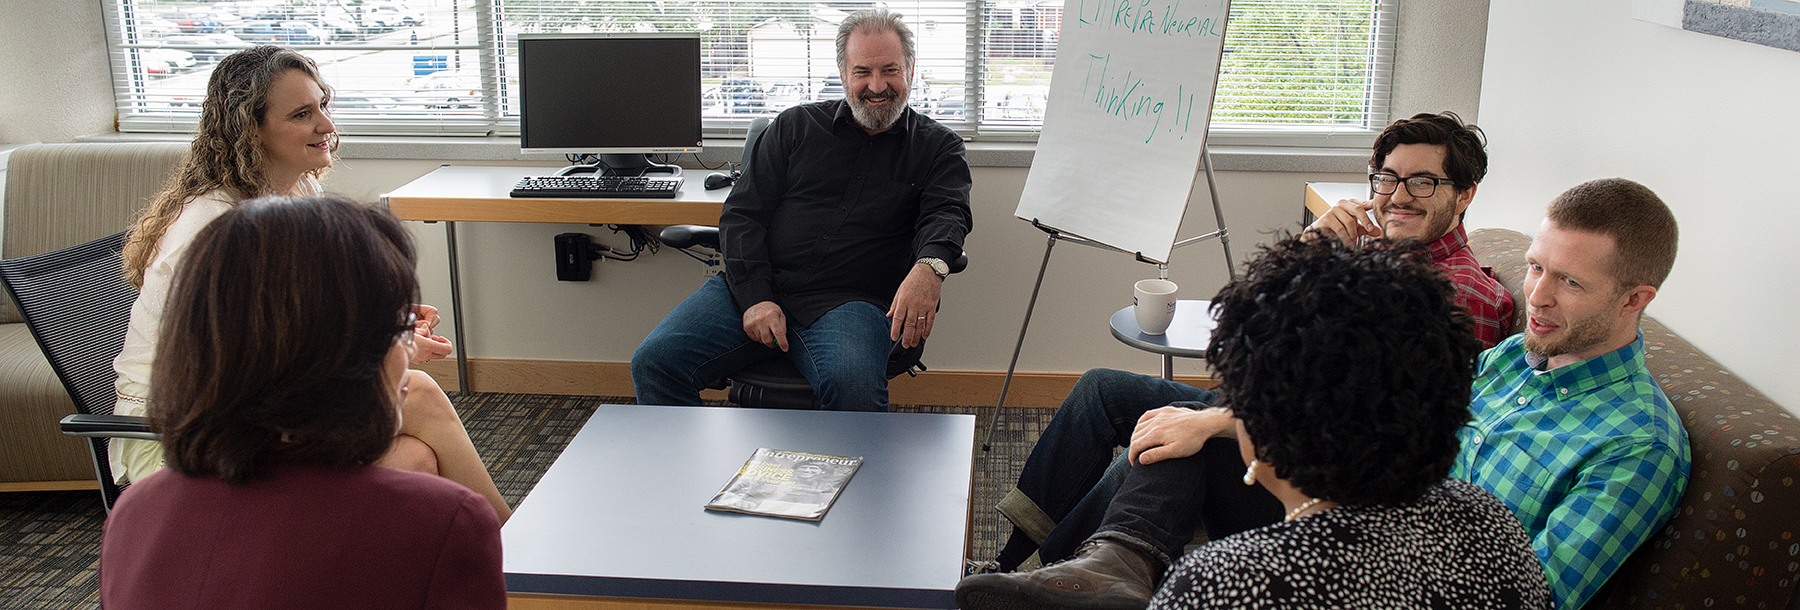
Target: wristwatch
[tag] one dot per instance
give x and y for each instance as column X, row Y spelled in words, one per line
column 937, row 265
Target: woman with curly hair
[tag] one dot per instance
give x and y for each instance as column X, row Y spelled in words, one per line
column 271, row 498
column 1348, row 371
column 265, row 129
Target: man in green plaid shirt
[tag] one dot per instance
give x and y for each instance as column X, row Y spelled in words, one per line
column 1570, row 430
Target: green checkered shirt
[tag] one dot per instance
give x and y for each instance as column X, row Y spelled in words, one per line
column 1590, row 456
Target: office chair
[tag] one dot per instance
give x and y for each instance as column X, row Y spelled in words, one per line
column 775, row 382
column 77, row 305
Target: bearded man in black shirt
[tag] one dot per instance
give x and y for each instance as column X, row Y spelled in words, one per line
column 835, row 239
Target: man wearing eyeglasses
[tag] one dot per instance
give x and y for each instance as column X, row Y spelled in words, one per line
column 1425, row 170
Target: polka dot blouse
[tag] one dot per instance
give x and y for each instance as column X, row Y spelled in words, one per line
column 1457, row 547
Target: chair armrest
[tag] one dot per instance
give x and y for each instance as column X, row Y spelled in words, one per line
column 961, row 263
column 108, row 426
column 682, row 236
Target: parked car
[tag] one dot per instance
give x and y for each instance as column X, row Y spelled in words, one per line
column 165, row 61
column 193, row 43
column 945, row 102
column 1023, row 103
column 196, row 23
column 783, row 95
column 333, row 23
column 742, row 95
column 340, row 25
column 273, row 13
column 390, row 16
column 228, row 20
column 153, row 26
column 833, row 89
column 449, row 89
column 282, row 32
column 355, row 104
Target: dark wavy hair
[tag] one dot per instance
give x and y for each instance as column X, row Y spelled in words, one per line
column 272, row 345
column 1349, row 367
column 1465, row 145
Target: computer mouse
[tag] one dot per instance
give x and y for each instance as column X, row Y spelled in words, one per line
column 717, row 180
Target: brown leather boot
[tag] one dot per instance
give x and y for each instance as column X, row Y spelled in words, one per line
column 1103, row 575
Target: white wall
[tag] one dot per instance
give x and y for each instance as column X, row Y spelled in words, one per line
column 53, row 59
column 519, row 310
column 1574, row 91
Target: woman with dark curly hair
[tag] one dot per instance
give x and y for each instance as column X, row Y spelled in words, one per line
column 273, row 431
column 265, row 129
column 1349, row 372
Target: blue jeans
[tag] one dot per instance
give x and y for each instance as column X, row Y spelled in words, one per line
column 843, row 354
column 1071, row 485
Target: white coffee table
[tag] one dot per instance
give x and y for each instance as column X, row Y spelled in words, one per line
column 617, row 521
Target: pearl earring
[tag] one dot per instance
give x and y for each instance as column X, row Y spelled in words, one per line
column 1250, row 473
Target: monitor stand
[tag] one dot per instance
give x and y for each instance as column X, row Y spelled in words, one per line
column 627, row 165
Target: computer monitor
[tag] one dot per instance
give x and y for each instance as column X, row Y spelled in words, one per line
column 617, row 95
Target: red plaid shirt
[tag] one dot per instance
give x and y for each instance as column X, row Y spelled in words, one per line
column 1477, row 288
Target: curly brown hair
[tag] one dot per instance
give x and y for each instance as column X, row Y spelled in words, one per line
column 226, row 154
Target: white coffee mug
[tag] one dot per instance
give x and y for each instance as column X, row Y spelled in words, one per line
column 1154, row 303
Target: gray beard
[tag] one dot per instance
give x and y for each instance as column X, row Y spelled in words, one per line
column 873, row 119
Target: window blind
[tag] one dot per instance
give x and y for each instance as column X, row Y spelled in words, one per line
column 449, row 67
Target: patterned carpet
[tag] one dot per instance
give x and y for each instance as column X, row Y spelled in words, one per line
column 50, row 541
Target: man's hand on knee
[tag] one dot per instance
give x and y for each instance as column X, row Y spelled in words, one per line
column 764, row 323
column 1174, row 432
column 915, row 306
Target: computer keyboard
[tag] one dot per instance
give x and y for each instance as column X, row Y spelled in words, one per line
column 597, row 187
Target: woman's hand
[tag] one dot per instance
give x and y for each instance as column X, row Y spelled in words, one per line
column 430, row 347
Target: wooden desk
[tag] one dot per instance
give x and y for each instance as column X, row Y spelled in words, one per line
column 464, row 193
column 616, row 522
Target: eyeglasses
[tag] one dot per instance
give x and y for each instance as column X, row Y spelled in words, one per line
column 1417, row 186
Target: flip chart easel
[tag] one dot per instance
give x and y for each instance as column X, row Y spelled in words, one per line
column 1125, row 128
column 1162, row 271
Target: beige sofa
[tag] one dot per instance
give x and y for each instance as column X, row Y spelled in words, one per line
column 1734, row 541
column 60, row 195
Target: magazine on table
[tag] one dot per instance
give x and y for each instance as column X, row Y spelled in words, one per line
column 786, row 484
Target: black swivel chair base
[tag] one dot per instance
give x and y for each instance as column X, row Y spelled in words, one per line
column 776, row 384
column 771, row 384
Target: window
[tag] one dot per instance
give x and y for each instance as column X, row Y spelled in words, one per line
column 448, row 67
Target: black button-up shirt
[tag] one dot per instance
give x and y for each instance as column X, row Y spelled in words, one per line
column 826, row 214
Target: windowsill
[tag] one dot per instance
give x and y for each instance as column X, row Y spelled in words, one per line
column 1229, row 157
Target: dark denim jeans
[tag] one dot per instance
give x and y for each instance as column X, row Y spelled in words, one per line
column 1157, row 506
column 843, row 354
column 1072, row 478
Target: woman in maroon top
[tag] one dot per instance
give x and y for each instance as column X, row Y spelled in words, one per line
column 279, row 375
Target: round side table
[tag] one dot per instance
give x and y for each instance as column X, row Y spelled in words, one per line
column 1187, row 336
